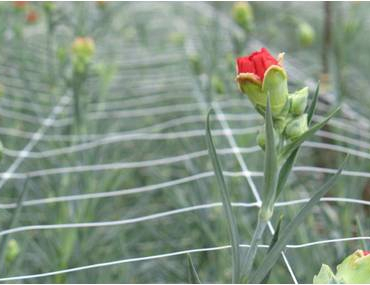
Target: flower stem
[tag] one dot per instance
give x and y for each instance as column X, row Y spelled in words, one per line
column 76, row 87
column 249, row 259
column 271, row 174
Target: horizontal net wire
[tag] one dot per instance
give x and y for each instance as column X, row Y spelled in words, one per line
column 150, row 126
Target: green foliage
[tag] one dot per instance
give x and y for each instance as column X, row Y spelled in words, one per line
column 232, row 226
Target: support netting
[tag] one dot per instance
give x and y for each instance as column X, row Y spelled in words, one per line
column 129, row 196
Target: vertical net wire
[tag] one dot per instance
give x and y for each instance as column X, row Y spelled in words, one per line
column 149, row 125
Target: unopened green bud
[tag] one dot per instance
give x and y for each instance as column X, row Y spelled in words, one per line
column 261, row 137
column 243, row 15
column 325, row 276
column 296, row 127
column 306, row 34
column 352, row 26
column 177, row 38
column 49, row 6
column 61, row 54
column 217, row 85
column 355, row 269
column 195, row 63
column 12, row 250
column 280, row 124
column 299, row 101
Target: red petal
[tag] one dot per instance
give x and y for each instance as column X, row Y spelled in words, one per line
column 245, row 65
column 257, row 63
column 366, row 252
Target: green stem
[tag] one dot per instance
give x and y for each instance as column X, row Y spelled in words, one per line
column 14, row 219
column 271, row 175
column 77, row 82
column 76, row 99
column 251, row 255
column 49, row 47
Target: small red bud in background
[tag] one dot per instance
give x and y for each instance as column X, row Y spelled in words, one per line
column 32, row 17
column 100, row 4
column 19, row 4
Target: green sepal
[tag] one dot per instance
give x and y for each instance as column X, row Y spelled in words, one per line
column 275, row 83
column 355, row 269
column 250, row 86
column 325, row 276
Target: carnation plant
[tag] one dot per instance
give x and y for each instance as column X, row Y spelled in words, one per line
column 83, row 48
column 287, row 124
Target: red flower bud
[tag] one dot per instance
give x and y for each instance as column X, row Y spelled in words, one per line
column 260, row 74
column 366, row 252
column 256, row 63
column 31, row 17
column 19, row 4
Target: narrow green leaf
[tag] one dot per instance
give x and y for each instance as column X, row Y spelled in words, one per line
column 276, row 234
column 269, row 192
column 271, row 163
column 362, row 232
column 233, row 230
column 193, row 277
column 288, row 149
column 285, row 171
column 12, row 222
column 273, row 241
column 312, row 108
column 290, row 229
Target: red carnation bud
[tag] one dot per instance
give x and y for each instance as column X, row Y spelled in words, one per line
column 19, row 4
column 31, row 17
column 366, row 252
column 256, row 63
column 260, row 74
